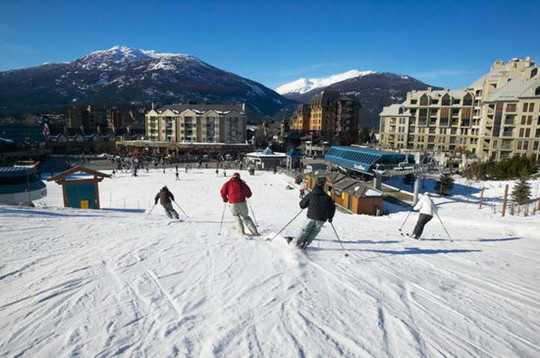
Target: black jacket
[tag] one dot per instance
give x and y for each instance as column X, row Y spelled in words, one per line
column 320, row 205
column 164, row 196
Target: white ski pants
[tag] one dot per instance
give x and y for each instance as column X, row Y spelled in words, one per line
column 241, row 215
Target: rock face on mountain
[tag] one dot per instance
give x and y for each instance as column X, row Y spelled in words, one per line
column 374, row 90
column 124, row 76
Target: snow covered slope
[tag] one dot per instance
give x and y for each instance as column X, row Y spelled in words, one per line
column 303, row 85
column 115, row 283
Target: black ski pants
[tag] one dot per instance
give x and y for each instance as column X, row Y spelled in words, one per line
column 423, row 219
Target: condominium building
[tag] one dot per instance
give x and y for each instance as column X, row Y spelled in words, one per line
column 328, row 114
column 497, row 117
column 203, row 123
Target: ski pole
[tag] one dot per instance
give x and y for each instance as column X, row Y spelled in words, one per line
column 187, row 216
column 335, row 232
column 444, row 227
column 150, row 211
column 222, row 215
column 285, row 226
column 252, row 213
column 407, row 218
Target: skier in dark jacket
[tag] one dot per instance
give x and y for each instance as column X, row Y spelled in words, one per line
column 166, row 198
column 321, row 208
column 235, row 192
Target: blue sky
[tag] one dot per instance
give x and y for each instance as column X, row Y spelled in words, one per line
column 442, row 43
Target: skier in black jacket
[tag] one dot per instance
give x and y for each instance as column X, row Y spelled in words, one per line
column 321, row 208
column 166, row 198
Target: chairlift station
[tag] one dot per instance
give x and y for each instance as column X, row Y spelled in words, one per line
column 378, row 163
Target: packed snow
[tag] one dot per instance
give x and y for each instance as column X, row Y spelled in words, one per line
column 126, row 281
column 304, row 85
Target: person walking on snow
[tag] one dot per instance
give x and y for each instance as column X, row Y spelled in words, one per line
column 321, row 208
column 166, row 198
column 427, row 209
column 235, row 191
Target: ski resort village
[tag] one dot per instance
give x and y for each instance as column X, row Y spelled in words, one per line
column 158, row 206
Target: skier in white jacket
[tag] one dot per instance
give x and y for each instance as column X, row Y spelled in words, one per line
column 427, row 209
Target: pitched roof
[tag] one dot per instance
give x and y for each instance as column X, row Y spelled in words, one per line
column 203, row 107
column 394, row 110
column 62, row 177
column 516, row 88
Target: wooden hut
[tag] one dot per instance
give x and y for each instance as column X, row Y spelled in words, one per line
column 330, row 177
column 80, row 187
column 351, row 194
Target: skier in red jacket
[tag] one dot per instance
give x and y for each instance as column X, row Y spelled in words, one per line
column 235, row 192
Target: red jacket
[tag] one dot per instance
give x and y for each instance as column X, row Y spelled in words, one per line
column 235, row 191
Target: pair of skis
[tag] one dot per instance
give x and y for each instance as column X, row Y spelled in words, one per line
column 410, row 235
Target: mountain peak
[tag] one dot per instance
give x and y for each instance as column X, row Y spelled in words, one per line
column 304, row 85
column 123, row 54
column 119, row 54
column 126, row 76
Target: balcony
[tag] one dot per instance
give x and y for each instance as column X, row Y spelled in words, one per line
column 509, row 133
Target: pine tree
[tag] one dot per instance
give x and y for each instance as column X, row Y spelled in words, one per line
column 522, row 191
column 408, row 179
column 445, row 184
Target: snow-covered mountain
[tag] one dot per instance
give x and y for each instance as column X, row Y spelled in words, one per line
column 374, row 90
column 303, row 85
column 125, row 76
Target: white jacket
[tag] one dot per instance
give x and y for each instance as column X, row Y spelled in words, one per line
column 426, row 206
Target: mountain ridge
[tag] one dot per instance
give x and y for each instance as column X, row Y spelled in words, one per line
column 373, row 90
column 126, row 76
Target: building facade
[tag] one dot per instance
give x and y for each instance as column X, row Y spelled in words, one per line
column 202, row 123
column 97, row 118
column 328, row 114
column 497, row 117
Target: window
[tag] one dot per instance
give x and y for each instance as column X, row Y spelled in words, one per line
column 511, row 107
column 445, row 100
column 467, row 100
column 528, row 107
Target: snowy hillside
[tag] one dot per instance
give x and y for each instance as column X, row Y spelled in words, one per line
column 107, row 60
column 123, row 76
column 304, row 85
column 123, row 282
